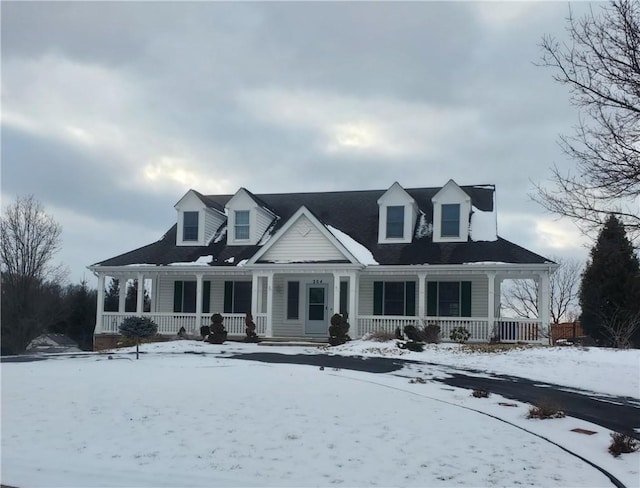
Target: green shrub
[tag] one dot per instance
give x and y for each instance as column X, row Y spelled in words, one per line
column 137, row 328
column 460, row 334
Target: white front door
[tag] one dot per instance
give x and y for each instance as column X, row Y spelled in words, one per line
column 316, row 310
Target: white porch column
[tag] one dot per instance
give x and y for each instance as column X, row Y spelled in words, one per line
column 140, row 301
column 269, row 331
column 336, row 294
column 353, row 305
column 100, row 304
column 199, row 292
column 255, row 306
column 545, row 302
column 122, row 294
column 154, row 294
column 491, row 303
column 422, row 296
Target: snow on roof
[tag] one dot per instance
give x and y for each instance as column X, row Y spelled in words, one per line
column 202, row 260
column 483, row 225
column 361, row 253
column 424, row 228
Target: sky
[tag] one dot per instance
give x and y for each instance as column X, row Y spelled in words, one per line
column 111, row 111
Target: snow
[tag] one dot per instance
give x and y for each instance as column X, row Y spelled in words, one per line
column 220, row 235
column 424, row 228
column 202, row 419
column 201, row 261
column 361, row 253
column 230, row 260
column 484, row 225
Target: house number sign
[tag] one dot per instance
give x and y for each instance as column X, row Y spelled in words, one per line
column 317, row 282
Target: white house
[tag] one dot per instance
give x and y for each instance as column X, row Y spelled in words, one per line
column 386, row 258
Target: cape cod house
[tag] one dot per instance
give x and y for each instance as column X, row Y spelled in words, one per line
column 386, row 258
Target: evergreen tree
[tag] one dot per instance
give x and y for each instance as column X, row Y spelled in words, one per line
column 112, row 297
column 131, row 301
column 610, row 288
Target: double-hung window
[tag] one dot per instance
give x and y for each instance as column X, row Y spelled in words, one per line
column 395, row 221
column 237, row 297
column 450, row 225
column 394, row 298
column 190, row 226
column 449, row 298
column 184, row 296
column 242, row 225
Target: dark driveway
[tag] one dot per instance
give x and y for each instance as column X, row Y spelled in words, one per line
column 621, row 414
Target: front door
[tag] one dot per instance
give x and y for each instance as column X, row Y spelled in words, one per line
column 316, row 316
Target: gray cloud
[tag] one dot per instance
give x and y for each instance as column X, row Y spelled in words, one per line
column 112, row 110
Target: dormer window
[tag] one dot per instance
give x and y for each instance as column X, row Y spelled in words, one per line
column 242, row 225
column 190, row 226
column 450, row 220
column 395, row 222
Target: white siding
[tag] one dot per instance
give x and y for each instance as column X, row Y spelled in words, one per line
column 303, row 241
column 263, row 221
column 212, row 221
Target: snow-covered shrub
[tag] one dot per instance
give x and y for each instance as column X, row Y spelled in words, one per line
column 137, row 328
column 460, row 334
column 622, row 444
column 545, row 410
column 480, row 393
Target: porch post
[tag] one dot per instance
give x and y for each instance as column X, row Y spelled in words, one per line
column 199, row 293
column 154, row 294
column 100, row 304
column 255, row 280
column 336, row 293
column 422, row 279
column 491, row 303
column 545, row 306
column 122, row 294
column 353, row 306
column 140, row 301
column 269, row 331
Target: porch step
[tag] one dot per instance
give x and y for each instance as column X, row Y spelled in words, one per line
column 293, row 341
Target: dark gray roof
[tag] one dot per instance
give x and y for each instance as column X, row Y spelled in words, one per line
column 353, row 212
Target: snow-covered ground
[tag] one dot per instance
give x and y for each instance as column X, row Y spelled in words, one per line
column 176, row 419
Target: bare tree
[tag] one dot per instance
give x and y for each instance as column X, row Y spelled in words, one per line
column 601, row 67
column 522, row 296
column 621, row 327
column 30, row 239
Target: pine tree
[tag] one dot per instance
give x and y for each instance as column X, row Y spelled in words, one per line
column 112, row 297
column 131, row 301
column 610, row 288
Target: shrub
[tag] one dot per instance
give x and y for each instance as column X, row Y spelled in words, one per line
column 137, row 328
column 545, row 410
column 480, row 393
column 380, row 336
column 431, row 333
column 460, row 334
column 338, row 331
column 622, row 444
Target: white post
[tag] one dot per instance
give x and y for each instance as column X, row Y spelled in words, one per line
column 154, row 294
column 269, row 331
column 353, row 306
column 545, row 304
column 122, row 294
column 140, row 301
column 422, row 296
column 100, row 304
column 199, row 293
column 336, row 294
column 491, row 303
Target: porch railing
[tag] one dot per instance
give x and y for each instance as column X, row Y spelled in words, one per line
column 507, row 330
column 170, row 323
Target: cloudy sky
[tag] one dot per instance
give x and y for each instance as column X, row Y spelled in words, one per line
column 112, row 111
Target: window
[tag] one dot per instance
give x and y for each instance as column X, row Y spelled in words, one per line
column 190, row 226
column 394, row 298
column 293, row 300
column 450, row 220
column 395, row 221
column 449, row 298
column 242, row 224
column 237, row 297
column 184, row 296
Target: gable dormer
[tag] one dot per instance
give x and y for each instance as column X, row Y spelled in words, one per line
column 397, row 214
column 247, row 219
column 451, row 214
column 198, row 219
